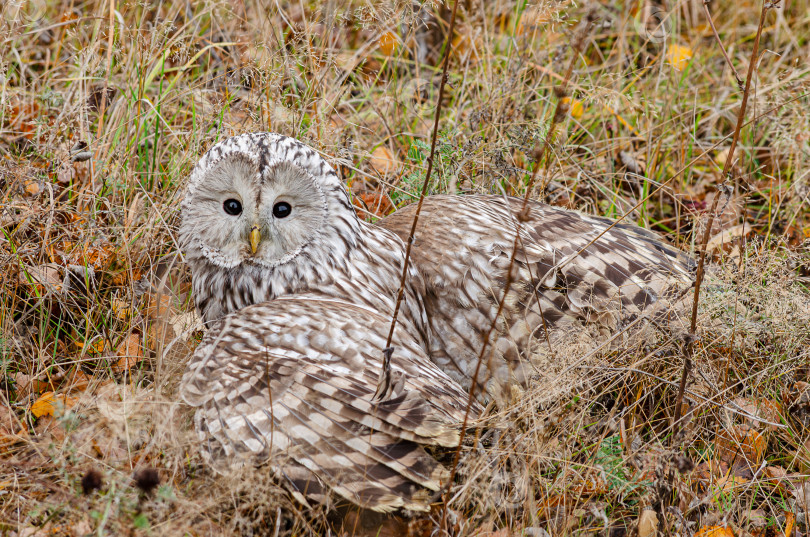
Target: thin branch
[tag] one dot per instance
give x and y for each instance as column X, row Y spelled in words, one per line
column 540, row 154
column 690, row 340
column 719, row 42
column 385, row 374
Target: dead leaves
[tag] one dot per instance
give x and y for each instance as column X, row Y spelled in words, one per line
column 647, row 523
column 384, row 162
column 129, row 353
column 714, row 531
column 741, row 444
column 51, row 404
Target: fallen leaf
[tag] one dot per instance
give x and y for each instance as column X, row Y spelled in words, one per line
column 761, row 408
column 129, row 353
column 160, row 306
column 776, row 478
column 741, row 443
column 11, row 428
column 756, row 517
column 790, row 523
column 727, row 237
column 96, row 347
column 45, row 278
column 50, row 429
column 388, row 43
column 374, row 202
column 49, row 403
column 678, row 56
column 714, row 531
column 647, row 523
column 76, row 380
column 120, row 309
column 32, row 188
column 383, row 161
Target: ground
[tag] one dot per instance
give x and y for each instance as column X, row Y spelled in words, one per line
column 106, row 106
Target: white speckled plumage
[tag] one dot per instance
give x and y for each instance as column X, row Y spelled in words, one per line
column 305, row 404
column 298, row 319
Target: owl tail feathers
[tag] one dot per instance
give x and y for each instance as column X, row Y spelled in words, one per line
column 373, row 486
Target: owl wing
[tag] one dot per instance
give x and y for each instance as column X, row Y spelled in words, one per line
column 467, row 241
column 462, row 248
column 292, row 381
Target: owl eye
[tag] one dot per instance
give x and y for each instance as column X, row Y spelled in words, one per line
column 282, row 209
column 232, row 207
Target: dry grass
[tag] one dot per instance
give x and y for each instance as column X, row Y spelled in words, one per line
column 105, row 107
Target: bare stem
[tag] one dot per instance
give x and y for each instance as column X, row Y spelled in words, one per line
column 522, row 217
column 447, row 46
column 690, row 342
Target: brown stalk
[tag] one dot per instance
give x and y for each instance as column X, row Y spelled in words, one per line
column 523, row 216
column 385, row 374
column 690, row 340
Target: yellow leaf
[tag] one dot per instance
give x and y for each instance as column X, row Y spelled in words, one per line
column 120, row 309
column 388, row 43
column 575, row 107
column 48, row 403
column 678, row 56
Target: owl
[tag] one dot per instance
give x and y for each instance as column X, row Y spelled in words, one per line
column 293, row 383
column 265, row 216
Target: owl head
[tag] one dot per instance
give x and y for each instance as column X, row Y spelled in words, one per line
column 263, row 199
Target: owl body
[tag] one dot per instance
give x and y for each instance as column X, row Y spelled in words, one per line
column 291, row 383
column 264, row 217
column 462, row 249
column 318, row 247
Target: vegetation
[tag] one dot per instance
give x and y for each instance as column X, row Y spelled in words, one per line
column 105, row 107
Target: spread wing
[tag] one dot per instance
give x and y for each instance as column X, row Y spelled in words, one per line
column 563, row 276
column 466, row 241
column 292, row 381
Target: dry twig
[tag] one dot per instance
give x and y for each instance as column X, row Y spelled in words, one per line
column 690, row 340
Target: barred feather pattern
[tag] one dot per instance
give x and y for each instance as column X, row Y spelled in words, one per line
column 462, row 249
column 291, row 382
column 337, row 255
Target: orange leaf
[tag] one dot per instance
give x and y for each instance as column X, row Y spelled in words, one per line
column 383, row 161
column 790, row 522
column 129, row 353
column 388, row 43
column 715, row 531
column 48, row 403
column 375, row 203
column 739, row 443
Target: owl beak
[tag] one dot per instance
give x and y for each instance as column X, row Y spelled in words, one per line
column 255, row 237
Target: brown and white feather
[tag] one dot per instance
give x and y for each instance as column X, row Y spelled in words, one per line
column 291, row 382
column 462, row 249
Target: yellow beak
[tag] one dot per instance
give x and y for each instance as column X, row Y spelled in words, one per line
column 255, row 236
